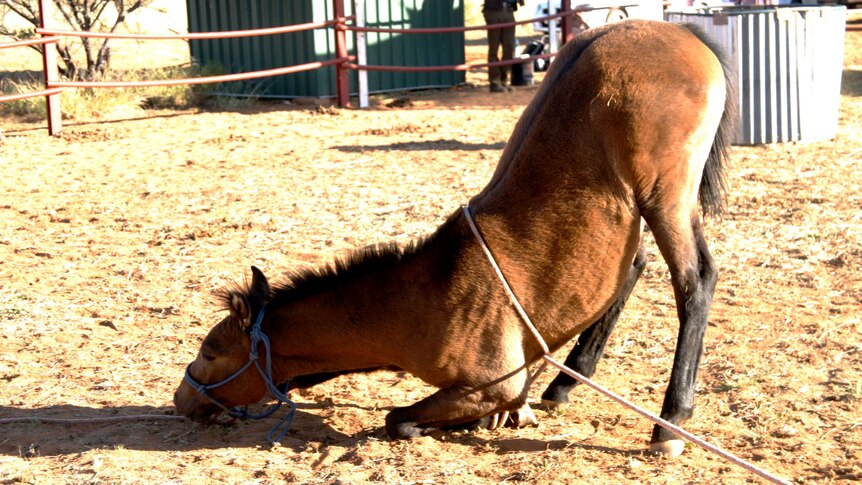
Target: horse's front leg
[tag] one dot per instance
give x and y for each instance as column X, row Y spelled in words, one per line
column 461, row 407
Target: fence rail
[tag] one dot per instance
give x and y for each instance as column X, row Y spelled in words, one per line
column 34, row 94
column 449, row 30
column 453, row 67
column 342, row 61
column 203, row 80
column 196, row 35
column 29, row 42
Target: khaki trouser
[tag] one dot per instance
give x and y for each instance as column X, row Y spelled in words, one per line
column 497, row 38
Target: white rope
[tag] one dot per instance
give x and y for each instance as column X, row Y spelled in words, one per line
column 107, row 419
column 589, row 383
column 512, row 298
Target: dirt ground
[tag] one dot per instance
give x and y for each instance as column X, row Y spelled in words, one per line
column 114, row 235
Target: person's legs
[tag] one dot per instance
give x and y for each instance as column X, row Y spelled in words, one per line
column 495, row 73
column 508, row 41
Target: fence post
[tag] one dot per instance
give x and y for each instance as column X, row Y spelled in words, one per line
column 552, row 28
column 361, row 53
column 49, row 69
column 342, row 83
column 566, row 23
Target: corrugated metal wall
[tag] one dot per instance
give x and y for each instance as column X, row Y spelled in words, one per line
column 256, row 53
column 415, row 49
column 788, row 64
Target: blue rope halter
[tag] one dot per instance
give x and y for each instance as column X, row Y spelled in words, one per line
column 279, row 392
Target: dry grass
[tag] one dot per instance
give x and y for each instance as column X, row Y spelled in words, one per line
column 113, row 235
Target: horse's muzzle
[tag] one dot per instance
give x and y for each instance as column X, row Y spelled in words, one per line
column 192, row 405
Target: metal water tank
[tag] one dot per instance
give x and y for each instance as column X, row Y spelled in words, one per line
column 788, row 62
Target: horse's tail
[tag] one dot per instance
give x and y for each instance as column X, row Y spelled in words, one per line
column 713, row 184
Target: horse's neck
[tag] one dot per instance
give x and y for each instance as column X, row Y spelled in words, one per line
column 365, row 320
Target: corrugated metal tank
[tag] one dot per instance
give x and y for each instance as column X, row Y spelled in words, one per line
column 267, row 52
column 788, row 63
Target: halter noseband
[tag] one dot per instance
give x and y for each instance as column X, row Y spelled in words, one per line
column 279, row 392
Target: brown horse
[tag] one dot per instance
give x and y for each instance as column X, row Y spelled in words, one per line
column 630, row 125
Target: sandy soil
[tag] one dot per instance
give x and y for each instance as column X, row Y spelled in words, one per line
column 114, row 235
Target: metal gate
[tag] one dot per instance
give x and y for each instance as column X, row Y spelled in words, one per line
column 258, row 53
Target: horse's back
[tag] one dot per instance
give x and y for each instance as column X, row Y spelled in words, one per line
column 667, row 89
column 622, row 106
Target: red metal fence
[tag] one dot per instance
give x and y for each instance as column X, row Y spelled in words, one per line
column 342, row 61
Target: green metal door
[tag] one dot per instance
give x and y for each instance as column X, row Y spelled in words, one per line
column 415, row 49
column 257, row 53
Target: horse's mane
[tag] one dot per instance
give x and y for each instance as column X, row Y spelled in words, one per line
column 309, row 281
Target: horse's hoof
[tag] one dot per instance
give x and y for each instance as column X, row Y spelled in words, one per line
column 498, row 420
column 668, row 449
column 520, row 418
column 523, row 417
column 403, row 431
column 553, row 405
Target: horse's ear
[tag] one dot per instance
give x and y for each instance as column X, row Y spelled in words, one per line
column 239, row 309
column 259, row 293
column 243, row 305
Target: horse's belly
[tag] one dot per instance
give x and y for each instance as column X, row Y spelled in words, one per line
column 591, row 278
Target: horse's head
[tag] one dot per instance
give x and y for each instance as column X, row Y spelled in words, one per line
column 221, row 364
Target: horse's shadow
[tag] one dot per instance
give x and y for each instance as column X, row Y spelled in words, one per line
column 166, row 433
column 506, row 446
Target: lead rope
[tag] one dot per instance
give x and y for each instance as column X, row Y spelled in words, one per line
column 280, row 395
column 589, row 383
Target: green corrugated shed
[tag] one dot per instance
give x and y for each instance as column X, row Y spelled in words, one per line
column 268, row 52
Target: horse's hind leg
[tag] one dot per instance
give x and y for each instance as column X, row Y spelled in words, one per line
column 591, row 343
column 693, row 274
